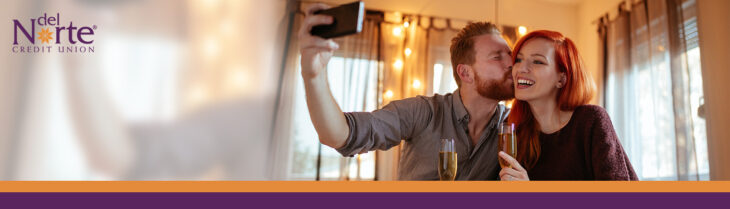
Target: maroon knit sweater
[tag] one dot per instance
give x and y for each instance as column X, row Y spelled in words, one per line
column 587, row 148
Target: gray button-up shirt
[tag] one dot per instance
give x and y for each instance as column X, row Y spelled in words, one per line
column 422, row 122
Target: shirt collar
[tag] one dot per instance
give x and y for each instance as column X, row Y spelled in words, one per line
column 459, row 108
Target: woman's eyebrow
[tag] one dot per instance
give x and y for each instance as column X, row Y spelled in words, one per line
column 539, row 55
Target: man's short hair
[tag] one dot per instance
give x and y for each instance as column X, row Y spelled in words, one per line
column 462, row 46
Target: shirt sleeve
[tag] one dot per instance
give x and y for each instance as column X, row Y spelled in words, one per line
column 610, row 162
column 386, row 127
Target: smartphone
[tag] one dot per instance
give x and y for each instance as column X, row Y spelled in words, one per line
column 348, row 20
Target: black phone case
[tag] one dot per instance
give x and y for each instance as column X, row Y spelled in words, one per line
column 348, row 20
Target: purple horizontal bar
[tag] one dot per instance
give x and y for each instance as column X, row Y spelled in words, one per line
column 365, row 200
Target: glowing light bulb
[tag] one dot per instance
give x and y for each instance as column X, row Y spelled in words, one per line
column 397, row 31
column 522, row 30
column 398, row 64
column 408, row 51
column 388, row 94
column 416, row 84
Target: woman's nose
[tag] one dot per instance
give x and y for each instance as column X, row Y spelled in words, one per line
column 520, row 67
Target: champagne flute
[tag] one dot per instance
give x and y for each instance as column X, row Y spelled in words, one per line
column 447, row 160
column 507, row 142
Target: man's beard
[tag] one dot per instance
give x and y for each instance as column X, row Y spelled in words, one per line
column 496, row 89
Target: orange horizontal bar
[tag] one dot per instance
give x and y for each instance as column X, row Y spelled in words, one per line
column 362, row 186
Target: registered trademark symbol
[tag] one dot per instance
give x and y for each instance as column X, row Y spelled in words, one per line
column 94, row 26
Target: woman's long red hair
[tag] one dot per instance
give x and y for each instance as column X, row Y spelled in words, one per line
column 577, row 90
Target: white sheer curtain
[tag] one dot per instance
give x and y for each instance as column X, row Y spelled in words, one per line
column 440, row 33
column 416, row 61
column 353, row 80
column 654, row 89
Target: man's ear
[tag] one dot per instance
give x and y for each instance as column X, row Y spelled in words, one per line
column 465, row 73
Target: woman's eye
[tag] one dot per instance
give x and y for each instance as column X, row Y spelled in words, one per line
column 518, row 60
column 538, row 62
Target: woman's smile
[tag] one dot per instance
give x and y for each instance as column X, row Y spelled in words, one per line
column 523, row 83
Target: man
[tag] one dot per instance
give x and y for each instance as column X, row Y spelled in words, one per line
column 471, row 115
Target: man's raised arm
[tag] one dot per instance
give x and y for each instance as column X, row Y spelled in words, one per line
column 326, row 115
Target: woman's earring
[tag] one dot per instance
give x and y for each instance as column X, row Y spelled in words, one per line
column 560, row 85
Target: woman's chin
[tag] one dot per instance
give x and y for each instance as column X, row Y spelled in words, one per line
column 522, row 96
column 531, row 97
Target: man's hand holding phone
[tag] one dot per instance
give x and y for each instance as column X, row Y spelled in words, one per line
column 326, row 115
column 316, row 51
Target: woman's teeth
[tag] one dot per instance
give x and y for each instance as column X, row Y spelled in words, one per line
column 525, row 82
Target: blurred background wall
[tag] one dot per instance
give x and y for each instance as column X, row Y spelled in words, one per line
column 189, row 90
column 174, row 90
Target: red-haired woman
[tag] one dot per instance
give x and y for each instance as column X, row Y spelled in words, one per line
column 559, row 135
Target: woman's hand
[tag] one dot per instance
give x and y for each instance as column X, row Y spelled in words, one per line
column 513, row 173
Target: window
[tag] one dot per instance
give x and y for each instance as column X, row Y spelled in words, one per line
column 696, row 95
column 443, row 79
column 654, row 90
column 354, row 85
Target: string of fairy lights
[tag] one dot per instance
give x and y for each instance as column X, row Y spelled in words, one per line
column 398, row 64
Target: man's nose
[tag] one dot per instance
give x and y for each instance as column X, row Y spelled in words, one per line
column 508, row 63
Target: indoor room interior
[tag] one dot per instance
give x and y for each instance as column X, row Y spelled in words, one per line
column 212, row 89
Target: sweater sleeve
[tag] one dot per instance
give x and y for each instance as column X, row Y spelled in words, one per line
column 608, row 158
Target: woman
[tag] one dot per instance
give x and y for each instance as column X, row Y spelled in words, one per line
column 559, row 135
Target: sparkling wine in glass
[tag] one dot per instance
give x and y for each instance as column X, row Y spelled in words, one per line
column 507, row 142
column 447, row 160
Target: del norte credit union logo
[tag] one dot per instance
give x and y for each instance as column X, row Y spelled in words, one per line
column 46, row 34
